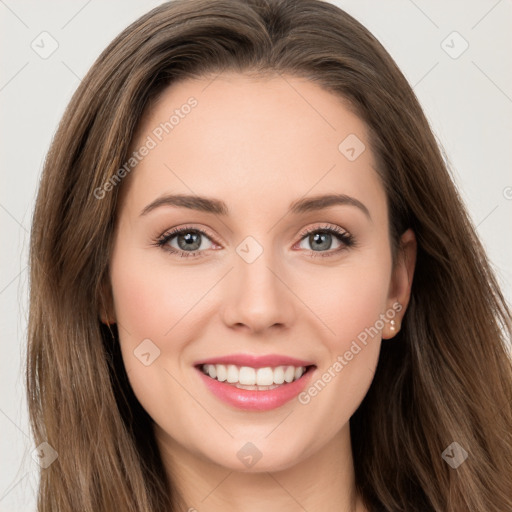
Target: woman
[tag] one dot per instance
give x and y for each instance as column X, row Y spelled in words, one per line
column 188, row 347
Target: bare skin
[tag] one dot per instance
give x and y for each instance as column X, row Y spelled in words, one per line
column 258, row 145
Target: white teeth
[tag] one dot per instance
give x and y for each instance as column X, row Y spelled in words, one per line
column 246, row 377
column 279, row 375
column 289, row 373
column 265, row 376
column 232, row 373
column 222, row 373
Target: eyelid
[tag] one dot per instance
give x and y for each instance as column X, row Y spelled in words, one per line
column 324, row 227
column 343, row 236
column 171, row 233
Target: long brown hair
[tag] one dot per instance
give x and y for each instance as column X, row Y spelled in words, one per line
column 446, row 377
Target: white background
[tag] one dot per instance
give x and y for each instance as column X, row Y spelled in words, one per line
column 468, row 102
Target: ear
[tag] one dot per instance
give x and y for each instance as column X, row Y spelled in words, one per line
column 401, row 282
column 106, row 301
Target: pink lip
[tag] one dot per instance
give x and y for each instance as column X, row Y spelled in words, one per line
column 253, row 400
column 272, row 360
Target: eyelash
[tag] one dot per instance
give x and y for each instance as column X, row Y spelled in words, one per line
column 345, row 238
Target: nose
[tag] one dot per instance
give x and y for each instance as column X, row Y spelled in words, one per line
column 258, row 297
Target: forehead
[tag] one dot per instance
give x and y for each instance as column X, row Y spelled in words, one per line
column 269, row 139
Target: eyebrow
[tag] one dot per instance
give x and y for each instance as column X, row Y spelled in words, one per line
column 219, row 207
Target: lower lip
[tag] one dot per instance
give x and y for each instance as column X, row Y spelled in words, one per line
column 252, row 400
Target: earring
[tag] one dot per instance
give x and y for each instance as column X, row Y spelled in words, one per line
column 392, row 327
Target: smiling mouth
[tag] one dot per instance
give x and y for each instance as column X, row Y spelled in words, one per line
column 254, row 379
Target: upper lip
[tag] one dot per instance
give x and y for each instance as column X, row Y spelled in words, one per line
column 254, row 361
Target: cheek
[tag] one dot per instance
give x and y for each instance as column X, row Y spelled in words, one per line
column 151, row 303
column 350, row 300
column 149, row 298
column 352, row 318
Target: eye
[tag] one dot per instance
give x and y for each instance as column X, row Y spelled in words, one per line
column 185, row 242
column 321, row 239
column 193, row 242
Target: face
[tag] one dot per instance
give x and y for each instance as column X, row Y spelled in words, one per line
column 261, row 280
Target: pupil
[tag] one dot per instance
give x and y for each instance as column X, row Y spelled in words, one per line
column 322, row 238
column 190, row 239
